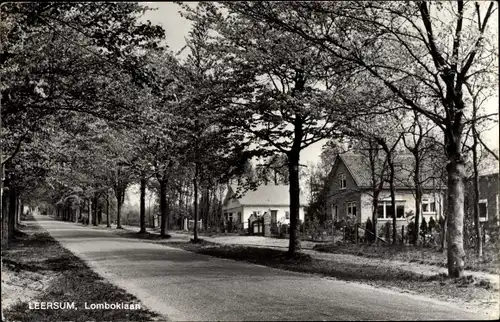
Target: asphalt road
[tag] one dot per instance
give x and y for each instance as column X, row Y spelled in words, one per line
column 191, row 287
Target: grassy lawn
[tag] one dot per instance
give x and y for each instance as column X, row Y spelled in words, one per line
column 37, row 269
column 490, row 262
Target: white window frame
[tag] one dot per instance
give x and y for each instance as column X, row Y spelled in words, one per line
column 385, row 203
column 349, row 206
column 484, row 219
column 343, row 181
column 428, row 202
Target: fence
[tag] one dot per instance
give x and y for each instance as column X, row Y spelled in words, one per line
column 256, row 227
column 189, row 224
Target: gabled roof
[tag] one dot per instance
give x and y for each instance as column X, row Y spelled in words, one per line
column 358, row 166
column 266, row 195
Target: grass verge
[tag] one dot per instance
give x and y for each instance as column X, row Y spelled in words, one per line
column 36, row 258
column 489, row 262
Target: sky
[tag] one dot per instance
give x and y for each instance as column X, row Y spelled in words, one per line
column 177, row 28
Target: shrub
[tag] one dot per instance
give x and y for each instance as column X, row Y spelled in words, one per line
column 423, row 228
column 387, row 231
column 432, row 225
column 369, row 228
column 411, row 232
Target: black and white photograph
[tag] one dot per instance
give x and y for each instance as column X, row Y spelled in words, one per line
column 249, row 161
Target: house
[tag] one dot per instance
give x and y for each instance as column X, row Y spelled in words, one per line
column 350, row 191
column 488, row 196
column 273, row 199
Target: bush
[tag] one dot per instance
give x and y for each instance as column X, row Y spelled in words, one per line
column 432, row 225
column 369, row 228
column 423, row 228
column 387, row 231
column 411, row 232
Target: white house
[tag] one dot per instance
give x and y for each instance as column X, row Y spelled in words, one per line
column 274, row 199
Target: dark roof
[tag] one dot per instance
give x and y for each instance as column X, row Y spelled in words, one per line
column 359, row 167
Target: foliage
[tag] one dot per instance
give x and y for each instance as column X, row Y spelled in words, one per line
column 432, row 225
column 411, row 231
column 369, row 237
column 424, row 230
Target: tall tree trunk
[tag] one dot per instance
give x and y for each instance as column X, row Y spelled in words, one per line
column 16, row 217
column 444, row 229
column 5, row 218
column 455, row 216
column 2, row 201
column 82, row 210
column 107, row 211
column 168, row 223
column 119, row 199
column 163, row 206
column 418, row 214
column 143, row 206
column 94, row 216
column 99, row 215
column 180, row 205
column 21, row 210
column 393, row 202
column 12, row 212
column 195, row 203
column 390, row 161
column 293, row 169
column 477, row 224
column 89, row 210
column 376, row 193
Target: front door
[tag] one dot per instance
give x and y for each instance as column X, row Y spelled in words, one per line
column 274, row 217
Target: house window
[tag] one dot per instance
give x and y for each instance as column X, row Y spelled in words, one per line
column 230, row 217
column 343, row 181
column 483, row 210
column 400, row 211
column 384, row 209
column 428, row 207
column 239, row 217
column 287, row 215
column 335, row 215
column 351, row 209
column 381, row 211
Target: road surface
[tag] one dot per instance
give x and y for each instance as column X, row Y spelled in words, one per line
column 184, row 286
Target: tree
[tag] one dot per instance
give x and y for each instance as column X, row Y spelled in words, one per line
column 211, row 145
column 62, row 60
column 369, row 229
column 389, row 41
column 272, row 90
column 419, row 141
